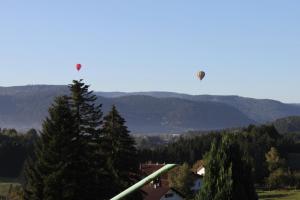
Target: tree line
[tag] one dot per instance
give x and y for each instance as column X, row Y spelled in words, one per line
column 254, row 142
column 14, row 149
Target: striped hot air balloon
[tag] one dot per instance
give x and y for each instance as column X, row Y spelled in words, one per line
column 201, row 75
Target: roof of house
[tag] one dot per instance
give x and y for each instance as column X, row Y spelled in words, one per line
column 147, row 169
column 150, row 168
column 150, row 192
column 198, row 166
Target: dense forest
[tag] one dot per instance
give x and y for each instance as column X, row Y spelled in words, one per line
column 256, row 141
column 15, row 147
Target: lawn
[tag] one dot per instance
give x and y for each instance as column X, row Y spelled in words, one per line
column 279, row 194
column 5, row 185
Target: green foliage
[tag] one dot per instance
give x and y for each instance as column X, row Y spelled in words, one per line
column 52, row 156
column 67, row 162
column 280, row 176
column 14, row 148
column 254, row 141
column 79, row 157
column 227, row 174
column 90, row 171
column 181, row 179
column 120, row 151
column 185, row 149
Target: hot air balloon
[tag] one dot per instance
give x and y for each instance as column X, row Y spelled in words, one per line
column 78, row 67
column 201, row 75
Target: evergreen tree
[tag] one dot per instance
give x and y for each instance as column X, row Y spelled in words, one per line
column 227, row 175
column 88, row 115
column 47, row 177
column 95, row 181
column 120, row 148
column 33, row 183
column 68, row 160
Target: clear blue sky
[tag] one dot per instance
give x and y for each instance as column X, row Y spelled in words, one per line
column 248, row 48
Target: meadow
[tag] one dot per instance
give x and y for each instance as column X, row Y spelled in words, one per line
column 279, row 195
column 5, row 185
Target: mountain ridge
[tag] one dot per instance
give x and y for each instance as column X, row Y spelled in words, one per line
column 157, row 112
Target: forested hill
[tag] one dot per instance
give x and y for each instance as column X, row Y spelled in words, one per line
column 288, row 125
column 260, row 110
column 24, row 107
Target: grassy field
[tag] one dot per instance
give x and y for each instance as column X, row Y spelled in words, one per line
column 279, row 195
column 5, row 184
column 4, row 187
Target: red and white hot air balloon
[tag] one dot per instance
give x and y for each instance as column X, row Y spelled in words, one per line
column 78, row 67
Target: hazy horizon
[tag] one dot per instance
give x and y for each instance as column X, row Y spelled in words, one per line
column 149, row 91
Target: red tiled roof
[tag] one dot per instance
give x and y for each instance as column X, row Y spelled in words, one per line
column 147, row 169
column 155, row 194
column 150, row 168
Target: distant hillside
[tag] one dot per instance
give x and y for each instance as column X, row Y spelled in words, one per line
column 24, row 107
column 31, row 90
column 288, row 125
column 149, row 114
column 260, row 110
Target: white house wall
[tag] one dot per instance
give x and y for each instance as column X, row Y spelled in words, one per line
column 201, row 172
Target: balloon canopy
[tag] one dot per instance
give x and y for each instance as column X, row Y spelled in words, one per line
column 201, row 75
column 78, row 67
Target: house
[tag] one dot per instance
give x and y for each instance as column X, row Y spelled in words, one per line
column 201, row 171
column 198, row 168
column 159, row 189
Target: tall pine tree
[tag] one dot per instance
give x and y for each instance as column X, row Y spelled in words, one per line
column 47, row 176
column 68, row 161
column 227, row 176
column 121, row 151
column 95, row 182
